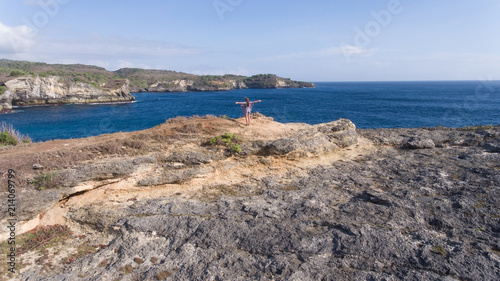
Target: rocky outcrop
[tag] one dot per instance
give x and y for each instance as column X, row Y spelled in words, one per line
column 29, row 90
column 319, row 139
column 300, row 202
column 172, row 86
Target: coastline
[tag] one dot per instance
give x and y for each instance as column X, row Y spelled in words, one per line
column 41, row 83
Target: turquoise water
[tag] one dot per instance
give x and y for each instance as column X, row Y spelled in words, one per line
column 367, row 104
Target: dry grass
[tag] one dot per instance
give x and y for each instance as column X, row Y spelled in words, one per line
column 154, row 260
column 163, row 275
column 138, row 260
column 55, row 160
column 38, row 240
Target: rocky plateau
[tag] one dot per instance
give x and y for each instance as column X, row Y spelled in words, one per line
column 208, row 198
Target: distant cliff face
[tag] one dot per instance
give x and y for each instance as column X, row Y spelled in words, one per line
column 29, row 90
column 222, row 83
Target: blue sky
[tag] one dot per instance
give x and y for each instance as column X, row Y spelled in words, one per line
column 323, row 40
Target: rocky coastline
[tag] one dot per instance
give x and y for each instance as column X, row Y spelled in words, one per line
column 30, row 83
column 208, row 198
column 222, row 84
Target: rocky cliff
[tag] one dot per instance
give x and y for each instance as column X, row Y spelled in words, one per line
column 211, row 199
column 220, row 83
column 29, row 90
column 223, row 84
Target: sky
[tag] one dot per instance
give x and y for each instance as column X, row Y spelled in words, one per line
column 315, row 40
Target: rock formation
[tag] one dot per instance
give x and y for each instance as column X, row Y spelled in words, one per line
column 29, row 90
column 294, row 202
column 221, row 83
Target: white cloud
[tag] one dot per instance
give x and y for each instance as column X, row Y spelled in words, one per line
column 109, row 52
column 347, row 50
column 15, row 39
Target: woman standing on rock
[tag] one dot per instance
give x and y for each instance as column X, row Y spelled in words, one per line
column 247, row 108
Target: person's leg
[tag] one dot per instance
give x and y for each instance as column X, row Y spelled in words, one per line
column 244, row 113
column 247, row 118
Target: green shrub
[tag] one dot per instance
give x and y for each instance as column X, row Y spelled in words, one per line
column 47, row 180
column 10, row 136
column 3, row 89
column 228, row 140
column 15, row 73
column 236, row 148
column 7, row 139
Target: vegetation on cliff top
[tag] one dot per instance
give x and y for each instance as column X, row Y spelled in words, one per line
column 140, row 79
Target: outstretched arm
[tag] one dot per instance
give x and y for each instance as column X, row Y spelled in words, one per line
column 240, row 102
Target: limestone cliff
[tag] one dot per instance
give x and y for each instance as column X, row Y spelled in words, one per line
column 29, row 90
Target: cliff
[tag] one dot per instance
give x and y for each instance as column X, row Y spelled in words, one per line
column 222, row 83
column 209, row 198
column 28, row 90
column 165, row 81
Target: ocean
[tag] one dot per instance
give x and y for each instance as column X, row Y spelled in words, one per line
column 367, row 104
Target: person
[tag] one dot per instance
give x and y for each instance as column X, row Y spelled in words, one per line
column 247, row 108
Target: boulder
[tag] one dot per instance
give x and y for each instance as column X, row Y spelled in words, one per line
column 418, row 143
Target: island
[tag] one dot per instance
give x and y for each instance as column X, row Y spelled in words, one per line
column 33, row 83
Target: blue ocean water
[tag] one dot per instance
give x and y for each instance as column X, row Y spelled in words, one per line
column 367, row 104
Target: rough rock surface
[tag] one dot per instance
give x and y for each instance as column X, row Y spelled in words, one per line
column 323, row 202
column 38, row 90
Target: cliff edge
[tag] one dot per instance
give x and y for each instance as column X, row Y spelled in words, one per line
column 209, row 198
